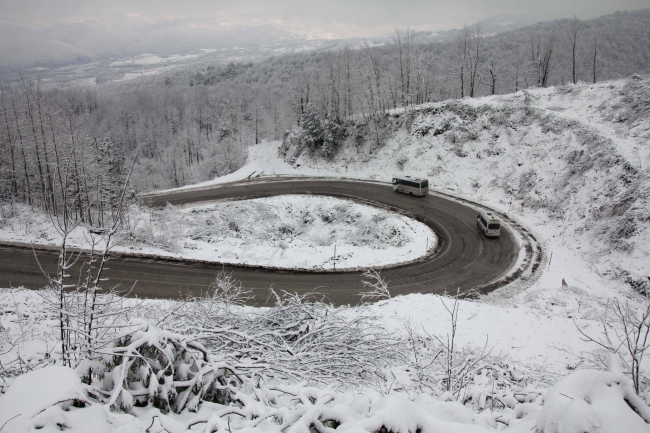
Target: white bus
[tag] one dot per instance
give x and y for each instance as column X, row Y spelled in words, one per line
column 411, row 185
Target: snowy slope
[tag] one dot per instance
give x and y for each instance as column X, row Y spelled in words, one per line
column 571, row 162
column 577, row 158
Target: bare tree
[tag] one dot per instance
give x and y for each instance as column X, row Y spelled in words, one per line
column 474, row 58
column 405, row 48
column 462, row 53
column 594, row 51
column 626, row 335
column 347, row 67
column 459, row 365
column 377, row 285
column 542, row 50
column 517, row 68
column 493, row 71
column 571, row 41
column 77, row 301
column 374, row 80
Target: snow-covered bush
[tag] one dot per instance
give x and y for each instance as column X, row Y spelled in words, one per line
column 626, row 337
column 298, row 338
column 150, row 365
column 17, row 323
column 377, row 286
column 162, row 229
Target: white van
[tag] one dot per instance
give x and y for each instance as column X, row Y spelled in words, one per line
column 488, row 223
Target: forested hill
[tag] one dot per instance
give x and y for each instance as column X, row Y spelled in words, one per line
column 621, row 41
column 195, row 123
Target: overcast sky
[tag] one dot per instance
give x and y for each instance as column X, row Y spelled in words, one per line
column 343, row 18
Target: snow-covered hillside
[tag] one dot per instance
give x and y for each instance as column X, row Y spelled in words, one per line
column 576, row 157
column 570, row 164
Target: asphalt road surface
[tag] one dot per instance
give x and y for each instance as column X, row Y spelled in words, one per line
column 464, row 259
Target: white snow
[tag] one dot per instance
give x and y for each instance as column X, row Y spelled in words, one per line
column 590, row 400
column 531, row 320
column 568, row 198
column 153, row 59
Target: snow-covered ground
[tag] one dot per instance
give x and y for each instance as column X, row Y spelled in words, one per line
column 571, row 165
column 576, row 157
column 287, row 232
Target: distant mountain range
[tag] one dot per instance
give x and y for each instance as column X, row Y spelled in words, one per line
column 22, row 48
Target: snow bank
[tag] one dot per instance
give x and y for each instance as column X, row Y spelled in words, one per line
column 34, row 392
column 53, row 399
column 593, row 401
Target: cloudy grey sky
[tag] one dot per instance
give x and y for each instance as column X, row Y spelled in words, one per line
column 342, row 18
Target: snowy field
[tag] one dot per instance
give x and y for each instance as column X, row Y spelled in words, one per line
column 286, row 232
column 569, row 164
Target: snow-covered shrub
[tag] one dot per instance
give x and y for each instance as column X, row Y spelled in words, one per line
column 16, row 332
column 640, row 284
column 147, row 365
column 453, row 138
column 423, row 126
column 377, row 286
column 227, row 292
column 163, row 229
column 460, row 152
column 626, row 338
column 297, row 339
column 527, row 181
column 636, row 100
column 292, row 147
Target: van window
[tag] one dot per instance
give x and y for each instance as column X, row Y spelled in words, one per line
column 494, row 226
column 483, row 221
column 425, row 183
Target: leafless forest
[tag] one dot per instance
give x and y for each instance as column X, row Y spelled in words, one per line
column 195, row 123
